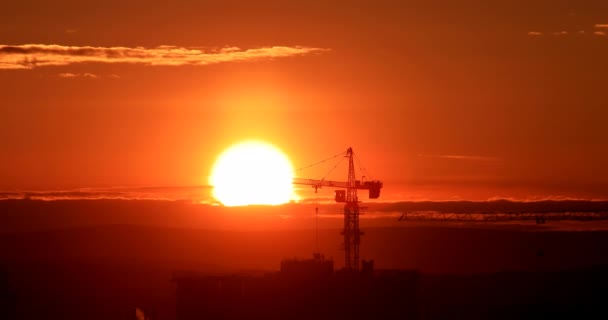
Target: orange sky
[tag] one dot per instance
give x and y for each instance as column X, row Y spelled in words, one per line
column 440, row 99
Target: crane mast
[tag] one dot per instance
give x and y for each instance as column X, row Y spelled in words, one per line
column 351, row 232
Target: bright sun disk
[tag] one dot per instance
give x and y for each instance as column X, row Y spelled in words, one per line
column 252, row 172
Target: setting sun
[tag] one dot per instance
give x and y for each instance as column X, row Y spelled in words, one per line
column 252, row 172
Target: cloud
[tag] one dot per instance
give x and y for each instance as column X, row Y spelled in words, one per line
column 29, row 56
column 78, row 75
column 581, row 32
column 459, row 157
column 498, row 205
column 10, row 65
column 601, row 25
column 195, row 193
column 69, row 31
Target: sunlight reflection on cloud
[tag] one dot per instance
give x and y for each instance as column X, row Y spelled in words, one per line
column 29, row 56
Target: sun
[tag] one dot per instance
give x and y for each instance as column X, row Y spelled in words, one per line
column 252, row 173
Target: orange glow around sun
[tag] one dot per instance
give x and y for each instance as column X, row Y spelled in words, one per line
column 252, row 173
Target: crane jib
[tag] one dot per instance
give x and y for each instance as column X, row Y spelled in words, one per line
column 373, row 186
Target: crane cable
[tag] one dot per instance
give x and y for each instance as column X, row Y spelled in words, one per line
column 357, row 160
column 361, row 167
column 316, row 224
column 332, row 169
column 317, row 163
column 316, row 197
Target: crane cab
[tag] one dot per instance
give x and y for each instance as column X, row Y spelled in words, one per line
column 372, row 186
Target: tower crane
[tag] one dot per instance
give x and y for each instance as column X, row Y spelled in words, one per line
column 351, row 232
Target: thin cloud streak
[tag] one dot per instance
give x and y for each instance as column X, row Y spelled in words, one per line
column 29, row 56
column 70, row 75
column 460, row 157
column 199, row 194
column 78, row 75
column 566, row 33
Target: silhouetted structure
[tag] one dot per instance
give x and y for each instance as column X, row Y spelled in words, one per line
column 303, row 289
column 539, row 217
column 351, row 232
column 7, row 298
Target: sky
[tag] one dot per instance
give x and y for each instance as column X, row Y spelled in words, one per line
column 440, row 100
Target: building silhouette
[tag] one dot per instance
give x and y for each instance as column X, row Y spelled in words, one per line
column 302, row 289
